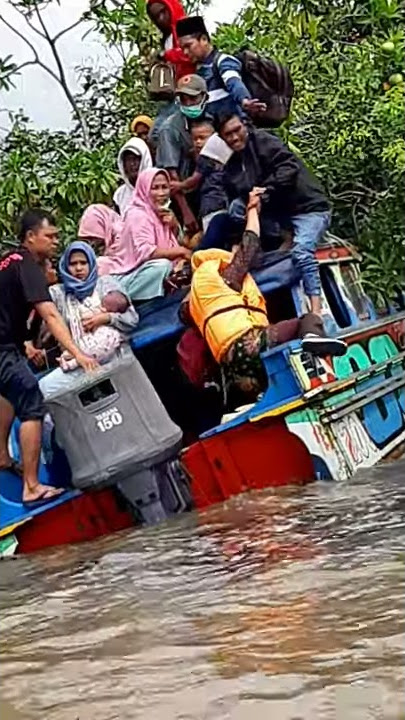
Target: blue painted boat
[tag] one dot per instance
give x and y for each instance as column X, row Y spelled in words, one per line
column 318, row 419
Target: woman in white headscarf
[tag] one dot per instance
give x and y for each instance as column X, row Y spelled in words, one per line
column 133, row 158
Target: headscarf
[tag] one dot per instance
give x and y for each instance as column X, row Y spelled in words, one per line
column 99, row 221
column 144, row 119
column 142, row 226
column 123, row 194
column 175, row 55
column 79, row 288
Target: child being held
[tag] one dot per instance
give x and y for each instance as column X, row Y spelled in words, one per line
column 211, row 153
column 97, row 340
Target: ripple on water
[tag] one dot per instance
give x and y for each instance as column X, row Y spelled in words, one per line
column 285, row 604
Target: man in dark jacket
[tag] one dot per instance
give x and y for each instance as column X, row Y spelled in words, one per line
column 292, row 197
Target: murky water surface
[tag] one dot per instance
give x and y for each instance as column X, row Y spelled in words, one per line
column 287, row 604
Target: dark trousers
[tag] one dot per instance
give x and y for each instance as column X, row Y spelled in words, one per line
column 287, row 330
column 19, row 385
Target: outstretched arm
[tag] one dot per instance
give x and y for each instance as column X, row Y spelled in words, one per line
column 187, row 185
column 49, row 312
column 235, row 272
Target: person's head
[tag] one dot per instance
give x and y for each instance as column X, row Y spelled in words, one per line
column 38, row 233
column 194, row 38
column 131, row 162
column 133, row 157
column 161, row 16
column 99, row 225
column 78, row 265
column 192, row 95
column 160, row 189
column 78, row 269
column 233, row 131
column 152, row 189
column 140, row 126
column 141, row 131
column 115, row 302
column 201, row 130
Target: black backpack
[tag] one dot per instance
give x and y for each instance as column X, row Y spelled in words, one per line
column 269, row 82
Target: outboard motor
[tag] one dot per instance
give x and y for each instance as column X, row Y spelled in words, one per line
column 115, row 431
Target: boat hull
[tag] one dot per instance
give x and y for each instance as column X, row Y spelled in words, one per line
column 326, row 423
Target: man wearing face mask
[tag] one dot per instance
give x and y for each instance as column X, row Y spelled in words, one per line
column 175, row 147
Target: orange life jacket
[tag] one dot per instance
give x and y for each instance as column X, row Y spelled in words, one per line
column 221, row 314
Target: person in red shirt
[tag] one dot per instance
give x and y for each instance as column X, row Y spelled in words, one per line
column 165, row 14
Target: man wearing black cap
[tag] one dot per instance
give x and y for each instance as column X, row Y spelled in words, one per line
column 174, row 150
column 227, row 92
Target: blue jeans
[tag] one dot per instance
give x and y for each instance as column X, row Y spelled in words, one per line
column 237, row 210
column 308, row 231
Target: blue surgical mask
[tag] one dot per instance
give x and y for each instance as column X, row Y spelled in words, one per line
column 192, row 111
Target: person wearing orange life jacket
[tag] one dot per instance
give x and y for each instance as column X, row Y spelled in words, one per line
column 230, row 311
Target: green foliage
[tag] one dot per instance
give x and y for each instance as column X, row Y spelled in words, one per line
column 347, row 121
column 52, row 170
column 8, row 69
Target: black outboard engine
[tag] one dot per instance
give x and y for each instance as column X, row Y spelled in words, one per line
column 115, row 431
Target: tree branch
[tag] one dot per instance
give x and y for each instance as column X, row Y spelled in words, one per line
column 20, row 35
column 61, row 77
column 32, row 27
column 16, row 70
column 65, row 30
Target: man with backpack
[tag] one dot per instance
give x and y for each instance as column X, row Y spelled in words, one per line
column 222, row 72
column 246, row 83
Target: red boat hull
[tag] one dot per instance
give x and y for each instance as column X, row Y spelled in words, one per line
column 248, row 457
column 85, row 517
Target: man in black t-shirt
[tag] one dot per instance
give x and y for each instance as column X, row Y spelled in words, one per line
column 23, row 287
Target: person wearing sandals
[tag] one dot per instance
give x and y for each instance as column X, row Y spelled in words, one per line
column 23, row 287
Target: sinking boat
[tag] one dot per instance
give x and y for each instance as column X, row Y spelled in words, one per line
column 143, row 445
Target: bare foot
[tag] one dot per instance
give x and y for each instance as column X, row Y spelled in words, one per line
column 41, row 492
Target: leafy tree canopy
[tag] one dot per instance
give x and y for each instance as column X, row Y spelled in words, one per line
column 347, row 120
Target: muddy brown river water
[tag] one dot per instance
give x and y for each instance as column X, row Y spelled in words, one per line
column 285, row 605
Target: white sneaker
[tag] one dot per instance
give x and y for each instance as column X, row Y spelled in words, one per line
column 322, row 346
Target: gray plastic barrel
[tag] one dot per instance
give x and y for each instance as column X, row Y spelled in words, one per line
column 113, row 427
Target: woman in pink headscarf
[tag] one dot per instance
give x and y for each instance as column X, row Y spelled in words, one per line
column 140, row 275
column 149, row 226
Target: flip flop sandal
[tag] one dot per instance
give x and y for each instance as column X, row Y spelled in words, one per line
column 14, row 467
column 43, row 499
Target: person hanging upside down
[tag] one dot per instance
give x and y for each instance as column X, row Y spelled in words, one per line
column 230, row 311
